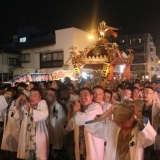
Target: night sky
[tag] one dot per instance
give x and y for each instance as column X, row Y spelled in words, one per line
column 132, row 16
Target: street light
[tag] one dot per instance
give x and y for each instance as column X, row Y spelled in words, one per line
column 91, row 36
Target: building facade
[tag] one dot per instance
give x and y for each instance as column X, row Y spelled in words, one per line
column 45, row 53
column 145, row 64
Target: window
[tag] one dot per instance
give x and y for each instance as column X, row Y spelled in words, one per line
column 133, row 40
column 140, row 40
column 14, row 38
column 152, row 68
column 136, row 40
column 12, row 62
column 151, row 49
column 121, row 42
column 139, row 59
column 25, row 57
column 157, row 69
column 22, row 40
column 139, row 68
column 6, row 77
column 138, row 49
column 51, row 60
column 152, row 59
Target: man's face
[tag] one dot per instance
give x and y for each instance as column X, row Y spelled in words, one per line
column 85, row 98
column 64, row 95
column 8, row 96
column 148, row 95
column 107, row 97
column 136, row 93
column 41, row 85
column 35, row 97
column 50, row 97
column 98, row 95
column 120, row 92
column 70, row 91
column 54, row 85
column 127, row 93
column 21, row 89
column 154, row 86
column 137, row 85
column 29, row 87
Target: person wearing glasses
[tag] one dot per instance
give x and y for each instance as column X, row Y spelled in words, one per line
column 151, row 109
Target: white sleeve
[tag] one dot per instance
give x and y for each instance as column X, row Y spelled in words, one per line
column 2, row 113
column 147, row 135
column 69, row 127
column 101, row 129
column 89, row 114
column 41, row 113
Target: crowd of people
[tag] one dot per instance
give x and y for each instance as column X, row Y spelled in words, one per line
column 55, row 120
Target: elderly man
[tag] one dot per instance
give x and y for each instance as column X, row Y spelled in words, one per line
column 56, row 122
column 34, row 139
column 126, row 137
column 66, row 98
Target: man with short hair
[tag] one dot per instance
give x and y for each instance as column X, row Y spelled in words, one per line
column 128, row 94
column 120, row 92
column 126, row 137
column 89, row 146
column 66, row 98
column 34, row 139
column 107, row 95
column 11, row 126
column 56, row 122
column 151, row 109
column 98, row 95
column 136, row 93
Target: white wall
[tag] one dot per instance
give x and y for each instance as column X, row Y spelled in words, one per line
column 65, row 38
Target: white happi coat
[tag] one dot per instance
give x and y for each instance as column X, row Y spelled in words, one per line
column 94, row 145
column 11, row 131
column 105, row 106
column 56, row 125
column 3, row 106
column 156, row 123
column 109, row 131
column 40, row 116
column 70, row 127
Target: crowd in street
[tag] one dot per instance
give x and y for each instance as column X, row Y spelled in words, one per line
column 55, row 120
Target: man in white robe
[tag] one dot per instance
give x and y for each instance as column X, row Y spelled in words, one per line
column 66, row 98
column 37, row 111
column 151, row 109
column 56, row 121
column 11, row 126
column 141, row 132
column 94, row 146
column 98, row 96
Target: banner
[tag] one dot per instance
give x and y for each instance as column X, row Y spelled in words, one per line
column 32, row 77
column 60, row 74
